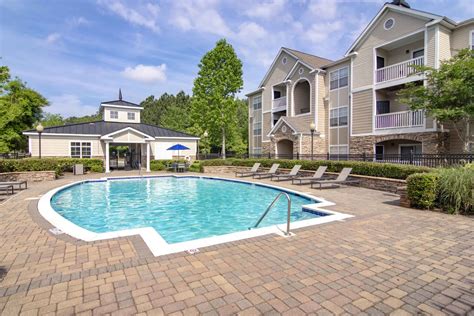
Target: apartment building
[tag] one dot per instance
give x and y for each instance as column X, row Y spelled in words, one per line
column 351, row 103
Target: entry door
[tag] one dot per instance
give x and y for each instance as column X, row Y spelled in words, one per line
column 379, row 151
column 383, row 107
column 380, row 62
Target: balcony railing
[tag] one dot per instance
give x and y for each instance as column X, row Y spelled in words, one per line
column 400, row 119
column 279, row 103
column 398, row 71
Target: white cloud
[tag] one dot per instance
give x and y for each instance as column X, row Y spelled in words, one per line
column 77, row 21
column 266, row 10
column 52, row 38
column 320, row 32
column 145, row 73
column 200, row 16
column 146, row 16
column 250, row 31
column 324, row 9
column 69, row 105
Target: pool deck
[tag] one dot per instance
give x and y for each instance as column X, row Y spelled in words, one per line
column 386, row 259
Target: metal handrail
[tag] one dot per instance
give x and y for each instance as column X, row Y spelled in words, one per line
column 270, row 207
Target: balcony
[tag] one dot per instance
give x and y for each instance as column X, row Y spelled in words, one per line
column 402, row 119
column 279, row 104
column 398, row 71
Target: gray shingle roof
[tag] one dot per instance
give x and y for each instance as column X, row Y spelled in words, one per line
column 312, row 60
column 121, row 103
column 104, row 128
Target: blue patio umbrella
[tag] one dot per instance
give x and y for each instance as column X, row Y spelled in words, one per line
column 178, row 147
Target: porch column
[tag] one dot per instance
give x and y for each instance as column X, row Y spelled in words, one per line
column 147, row 157
column 107, row 158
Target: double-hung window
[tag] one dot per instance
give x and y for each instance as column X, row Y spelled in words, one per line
column 131, row 116
column 114, row 115
column 338, row 116
column 339, row 78
column 257, row 102
column 81, row 150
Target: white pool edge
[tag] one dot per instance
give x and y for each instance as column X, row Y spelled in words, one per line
column 157, row 245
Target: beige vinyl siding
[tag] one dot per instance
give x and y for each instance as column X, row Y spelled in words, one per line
column 362, row 116
column 444, row 44
column 122, row 115
column 128, row 136
column 430, row 54
column 363, row 66
column 266, row 125
column 395, row 105
column 403, row 53
column 460, row 38
column 60, row 146
column 276, row 75
column 322, row 114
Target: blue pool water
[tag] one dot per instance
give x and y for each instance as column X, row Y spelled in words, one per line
column 179, row 209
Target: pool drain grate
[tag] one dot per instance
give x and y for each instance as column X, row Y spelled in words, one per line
column 56, row 231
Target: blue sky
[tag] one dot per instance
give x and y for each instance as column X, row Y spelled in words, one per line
column 79, row 53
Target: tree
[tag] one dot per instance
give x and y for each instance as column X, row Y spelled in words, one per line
column 51, row 119
column 83, row 119
column 213, row 106
column 169, row 111
column 20, row 108
column 448, row 96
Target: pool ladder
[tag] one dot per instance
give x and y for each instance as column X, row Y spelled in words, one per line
column 287, row 233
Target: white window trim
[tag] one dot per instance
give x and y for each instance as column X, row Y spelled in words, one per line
column 134, row 116
column 338, row 70
column 337, row 108
column 393, row 25
column 417, row 50
column 293, row 98
column 471, row 43
column 110, row 114
column 80, row 150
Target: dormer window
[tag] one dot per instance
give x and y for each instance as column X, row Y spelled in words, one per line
column 114, row 115
column 131, row 116
column 389, row 24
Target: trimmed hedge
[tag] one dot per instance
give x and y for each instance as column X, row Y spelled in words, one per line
column 422, row 190
column 59, row 165
column 374, row 169
column 159, row 165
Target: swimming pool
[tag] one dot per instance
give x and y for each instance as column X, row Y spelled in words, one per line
column 173, row 212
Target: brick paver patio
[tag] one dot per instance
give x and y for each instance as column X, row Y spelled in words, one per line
column 386, row 259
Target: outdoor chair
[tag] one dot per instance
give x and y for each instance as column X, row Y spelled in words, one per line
column 342, row 178
column 181, row 167
column 282, row 177
column 18, row 184
column 268, row 174
column 318, row 174
column 252, row 171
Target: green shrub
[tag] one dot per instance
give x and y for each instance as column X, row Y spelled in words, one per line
column 59, row 165
column 374, row 169
column 196, row 166
column 455, row 189
column 422, row 190
column 159, row 165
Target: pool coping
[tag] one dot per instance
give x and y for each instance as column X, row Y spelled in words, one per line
column 157, row 245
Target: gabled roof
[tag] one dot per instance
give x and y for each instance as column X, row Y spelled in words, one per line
column 294, row 123
column 311, row 61
column 401, row 9
column 104, row 128
column 121, row 103
column 127, row 129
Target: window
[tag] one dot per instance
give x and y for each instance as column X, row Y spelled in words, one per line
column 339, row 151
column 257, row 129
column 389, row 24
column 339, row 78
column 338, row 117
column 301, row 71
column 257, row 102
column 114, row 114
column 418, row 53
column 81, row 150
column 75, row 150
column 284, row 60
column 472, row 40
column 131, row 116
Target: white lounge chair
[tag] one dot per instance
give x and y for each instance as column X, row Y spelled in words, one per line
column 19, row 184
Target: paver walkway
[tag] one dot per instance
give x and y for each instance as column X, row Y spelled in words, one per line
column 386, row 259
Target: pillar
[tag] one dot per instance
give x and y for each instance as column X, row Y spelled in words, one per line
column 107, row 158
column 147, row 157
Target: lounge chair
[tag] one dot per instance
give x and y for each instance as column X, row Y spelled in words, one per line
column 318, row 174
column 293, row 173
column 252, row 171
column 268, row 174
column 16, row 183
column 341, row 179
column 8, row 188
